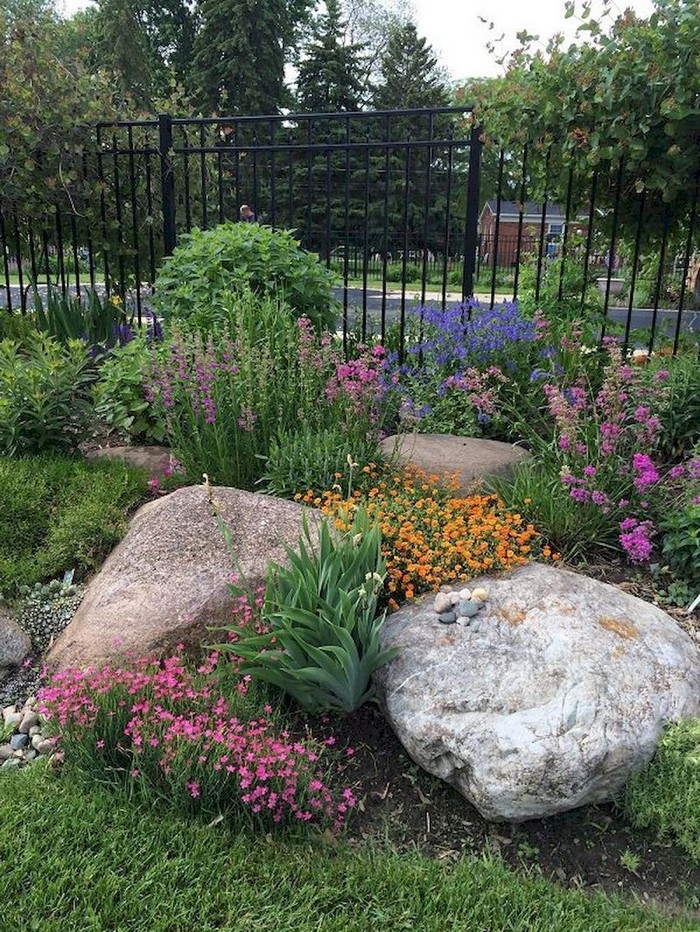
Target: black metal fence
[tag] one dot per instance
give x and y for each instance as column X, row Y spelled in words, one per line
column 403, row 205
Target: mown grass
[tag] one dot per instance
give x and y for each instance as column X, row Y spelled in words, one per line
column 77, row 857
column 59, row 513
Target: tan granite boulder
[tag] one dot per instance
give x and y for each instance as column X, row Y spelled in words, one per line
column 473, row 458
column 167, row 581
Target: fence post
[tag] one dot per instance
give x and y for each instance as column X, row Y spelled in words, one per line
column 167, row 181
column 472, row 217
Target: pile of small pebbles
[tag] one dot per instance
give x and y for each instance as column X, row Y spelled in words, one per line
column 463, row 605
column 25, row 741
column 45, row 610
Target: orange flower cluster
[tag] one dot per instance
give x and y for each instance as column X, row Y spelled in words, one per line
column 430, row 536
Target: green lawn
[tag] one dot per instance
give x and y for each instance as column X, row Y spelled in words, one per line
column 77, row 857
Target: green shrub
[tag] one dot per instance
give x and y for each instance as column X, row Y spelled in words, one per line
column 322, row 645
column 665, row 795
column 208, row 264
column 119, row 395
column 61, row 513
column 16, row 327
column 314, row 459
column 44, row 395
column 680, row 412
column 680, row 530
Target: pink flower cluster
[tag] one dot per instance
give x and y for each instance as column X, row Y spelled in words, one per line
column 635, row 539
column 174, row 732
column 359, row 380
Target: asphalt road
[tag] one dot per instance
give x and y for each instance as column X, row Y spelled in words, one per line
column 369, row 304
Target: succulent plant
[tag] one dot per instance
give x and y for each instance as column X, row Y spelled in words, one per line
column 45, row 609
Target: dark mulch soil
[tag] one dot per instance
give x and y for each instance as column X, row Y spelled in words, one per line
column 591, row 848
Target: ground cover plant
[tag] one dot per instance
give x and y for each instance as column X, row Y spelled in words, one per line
column 665, row 795
column 430, row 534
column 166, row 733
column 207, row 265
column 61, row 513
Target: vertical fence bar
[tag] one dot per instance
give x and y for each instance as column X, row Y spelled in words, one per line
column 32, row 255
column 61, row 273
column 327, row 225
column 186, row 176
column 404, row 258
column 167, row 181
column 472, row 214
column 273, row 178
column 76, row 257
column 103, row 211
column 346, row 256
column 659, row 277
column 496, row 238
column 635, row 263
column 120, row 224
column 151, row 234
column 20, row 271
column 91, row 254
column 565, row 238
column 447, row 229
column 203, row 172
column 589, row 239
column 686, row 263
column 613, row 246
column 135, row 223
column 426, row 212
column 365, row 240
column 6, row 261
column 543, row 225
column 385, row 238
column 521, row 223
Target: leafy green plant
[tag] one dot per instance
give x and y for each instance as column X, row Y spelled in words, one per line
column 16, row 327
column 225, row 399
column 100, row 324
column 309, row 458
column 119, row 394
column 60, row 512
column 44, row 395
column 572, row 528
column 680, row 548
column 208, row 264
column 680, row 412
column 665, row 795
column 323, row 640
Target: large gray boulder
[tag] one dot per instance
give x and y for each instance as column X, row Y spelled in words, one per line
column 549, row 701
column 167, row 581
column 472, row 458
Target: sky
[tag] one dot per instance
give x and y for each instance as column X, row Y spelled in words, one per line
column 459, row 37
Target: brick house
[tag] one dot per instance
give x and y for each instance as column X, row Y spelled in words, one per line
column 509, row 225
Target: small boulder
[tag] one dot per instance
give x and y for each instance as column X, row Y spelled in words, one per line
column 472, row 458
column 154, row 459
column 550, row 701
column 15, row 643
column 167, row 581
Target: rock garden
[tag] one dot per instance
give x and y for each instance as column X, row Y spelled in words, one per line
column 423, row 609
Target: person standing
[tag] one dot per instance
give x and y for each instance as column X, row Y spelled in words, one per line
column 246, row 214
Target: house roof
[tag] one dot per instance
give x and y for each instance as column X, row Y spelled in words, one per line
column 532, row 211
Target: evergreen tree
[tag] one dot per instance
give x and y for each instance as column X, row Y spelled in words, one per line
column 329, row 73
column 124, row 48
column 410, row 74
column 239, row 56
